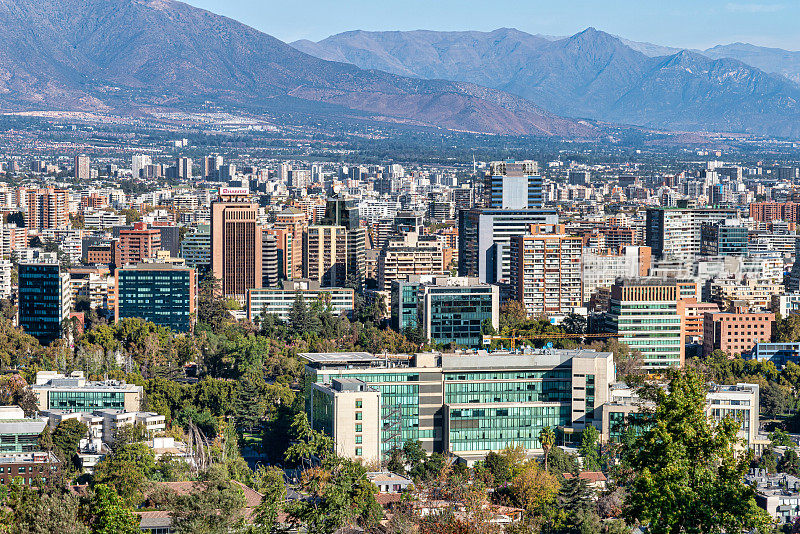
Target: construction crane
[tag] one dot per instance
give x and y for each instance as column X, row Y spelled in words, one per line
column 548, row 335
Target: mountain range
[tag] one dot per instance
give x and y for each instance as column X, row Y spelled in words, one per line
column 147, row 56
column 595, row 75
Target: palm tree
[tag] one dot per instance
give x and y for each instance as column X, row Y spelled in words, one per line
column 547, row 438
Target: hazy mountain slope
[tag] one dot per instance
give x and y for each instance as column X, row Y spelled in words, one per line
column 590, row 74
column 140, row 55
column 774, row 60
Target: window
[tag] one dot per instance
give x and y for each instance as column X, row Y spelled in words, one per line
column 359, row 416
column 358, row 440
column 358, row 427
column 358, row 451
column 359, row 403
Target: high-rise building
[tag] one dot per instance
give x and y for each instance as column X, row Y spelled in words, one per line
column 162, row 293
column 325, row 252
column 196, row 247
column 601, row 269
column 295, row 222
column 81, row 169
column 211, row 166
column 411, row 254
column 484, row 237
column 236, row 258
column 735, row 333
column 579, row 177
column 677, row 232
column 269, row 260
column 546, row 270
column 724, row 238
column 278, row 301
column 344, row 213
column 138, row 243
column 645, row 313
column 138, row 163
column 183, row 167
column 47, row 208
column 44, row 298
column 513, row 185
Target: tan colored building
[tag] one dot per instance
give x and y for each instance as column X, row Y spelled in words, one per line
column 295, row 222
column 546, row 270
column 236, row 258
column 74, row 393
column 326, row 256
column 47, row 208
column 138, row 244
column 411, row 254
column 735, row 332
column 349, row 411
column 694, row 316
column 757, row 293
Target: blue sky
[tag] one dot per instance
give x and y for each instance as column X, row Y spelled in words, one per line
column 683, row 23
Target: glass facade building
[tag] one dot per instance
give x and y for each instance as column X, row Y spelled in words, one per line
column 472, row 404
column 163, row 294
column 44, row 300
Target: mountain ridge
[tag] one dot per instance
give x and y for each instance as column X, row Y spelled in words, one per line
column 592, row 74
column 141, row 56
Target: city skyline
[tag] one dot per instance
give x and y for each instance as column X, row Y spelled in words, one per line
column 680, row 24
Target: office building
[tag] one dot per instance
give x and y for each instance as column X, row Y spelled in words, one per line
column 75, row 394
column 740, row 401
column 6, row 267
column 344, row 213
column 269, row 260
column 211, row 166
column 285, row 248
column 294, row 222
column 600, row 269
column 44, row 298
column 470, row 404
column 138, row 243
column 183, row 168
column 113, row 419
column 349, row 411
column 17, row 432
column 236, row 258
column 81, row 169
column 778, row 353
column 410, row 254
column 724, row 238
column 455, row 310
column 196, row 247
column 735, row 333
column 645, row 314
column 47, row 208
column 579, row 177
column 158, row 292
column 546, row 270
column 138, row 163
column 513, row 185
column 326, row 255
column 484, row 237
column 677, row 232
column 30, row 468
column 279, row 301
column 694, row 319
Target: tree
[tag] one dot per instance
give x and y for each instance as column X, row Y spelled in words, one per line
column 213, row 507
column 396, row 461
column 789, row 463
column 775, row 399
column 108, row 514
column 299, row 320
column 686, row 474
column 768, row 460
column 534, row 489
column 127, row 469
column 780, row 438
column 27, row 509
column 269, row 482
column 589, row 448
column 547, row 437
column 67, row 436
column 575, row 503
